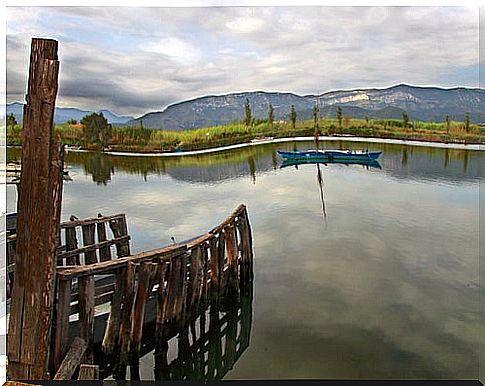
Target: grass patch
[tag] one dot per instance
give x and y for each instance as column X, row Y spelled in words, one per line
column 139, row 139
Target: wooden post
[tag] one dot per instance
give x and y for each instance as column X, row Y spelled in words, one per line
column 162, row 301
column 214, row 267
column 120, row 229
column 104, row 252
column 126, row 312
column 142, row 294
column 38, row 221
column 86, row 313
column 88, row 239
column 111, row 334
column 71, row 244
column 63, row 308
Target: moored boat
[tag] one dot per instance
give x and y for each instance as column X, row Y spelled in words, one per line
column 330, row 155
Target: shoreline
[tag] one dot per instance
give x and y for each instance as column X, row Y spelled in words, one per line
column 458, row 146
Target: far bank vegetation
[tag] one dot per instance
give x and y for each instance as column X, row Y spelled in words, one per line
column 95, row 133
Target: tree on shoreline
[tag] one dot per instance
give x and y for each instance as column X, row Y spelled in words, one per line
column 467, row 122
column 247, row 113
column 293, row 116
column 11, row 120
column 270, row 115
column 339, row 116
column 405, row 119
column 96, row 129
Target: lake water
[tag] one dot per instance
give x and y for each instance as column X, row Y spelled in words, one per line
column 373, row 276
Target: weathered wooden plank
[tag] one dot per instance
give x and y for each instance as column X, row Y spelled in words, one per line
column 111, row 335
column 98, row 290
column 93, row 247
column 205, row 274
column 39, row 211
column 126, row 311
column 61, row 332
column 105, row 267
column 88, row 240
column 162, row 299
column 104, row 251
column 119, row 229
column 88, row 221
column 171, row 288
column 71, row 244
column 88, row 372
column 194, row 277
column 181, row 283
column 72, row 360
column 98, row 300
column 214, row 267
column 86, row 313
column 229, row 220
column 141, row 296
column 231, row 244
column 221, row 257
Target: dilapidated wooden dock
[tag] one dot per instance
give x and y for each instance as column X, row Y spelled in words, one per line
column 81, row 302
column 168, row 288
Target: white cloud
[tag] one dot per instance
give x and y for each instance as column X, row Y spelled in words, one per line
column 245, row 24
column 150, row 57
column 175, row 48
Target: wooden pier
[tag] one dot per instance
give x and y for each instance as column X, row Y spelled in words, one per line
column 168, row 289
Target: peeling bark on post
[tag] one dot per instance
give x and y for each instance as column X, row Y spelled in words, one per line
column 38, row 220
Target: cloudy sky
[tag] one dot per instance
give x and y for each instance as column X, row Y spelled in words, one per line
column 135, row 60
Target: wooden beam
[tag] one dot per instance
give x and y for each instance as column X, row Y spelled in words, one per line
column 72, row 360
column 39, row 208
column 88, row 372
column 104, row 267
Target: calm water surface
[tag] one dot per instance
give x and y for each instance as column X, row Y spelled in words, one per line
column 378, row 280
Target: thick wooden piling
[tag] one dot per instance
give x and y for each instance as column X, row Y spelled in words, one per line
column 38, row 220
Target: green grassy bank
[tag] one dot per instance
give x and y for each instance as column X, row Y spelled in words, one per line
column 150, row 140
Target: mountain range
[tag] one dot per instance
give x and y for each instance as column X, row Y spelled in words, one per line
column 421, row 103
column 63, row 114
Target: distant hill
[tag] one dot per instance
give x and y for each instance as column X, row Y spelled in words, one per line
column 63, row 114
column 421, row 103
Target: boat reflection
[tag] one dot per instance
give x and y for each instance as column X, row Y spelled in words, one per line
column 365, row 163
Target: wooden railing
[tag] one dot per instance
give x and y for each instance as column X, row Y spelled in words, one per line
column 82, row 242
column 181, row 279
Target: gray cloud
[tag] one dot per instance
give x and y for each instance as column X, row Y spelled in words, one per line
column 138, row 59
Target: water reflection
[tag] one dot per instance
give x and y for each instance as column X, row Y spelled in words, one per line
column 399, row 161
column 206, row 348
column 209, row 347
column 385, row 292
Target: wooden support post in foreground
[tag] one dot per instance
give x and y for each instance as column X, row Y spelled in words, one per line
column 38, row 221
